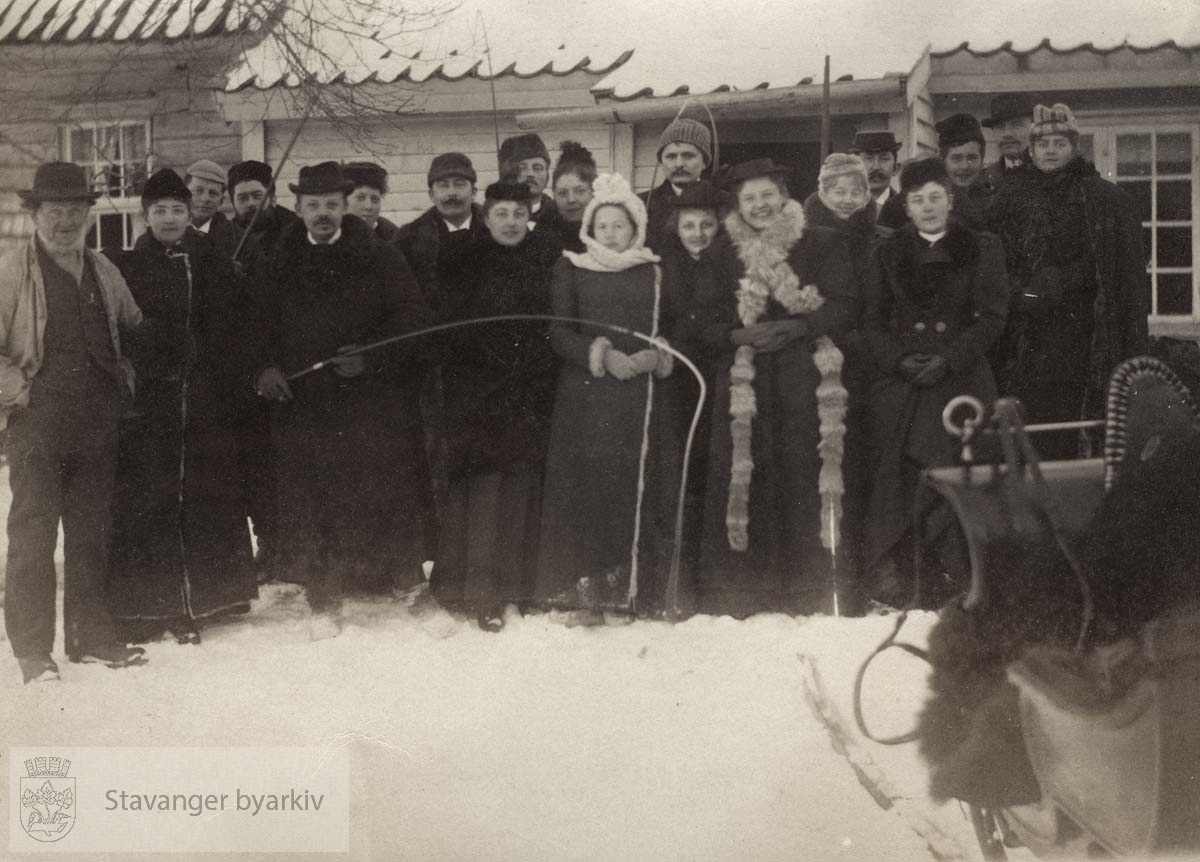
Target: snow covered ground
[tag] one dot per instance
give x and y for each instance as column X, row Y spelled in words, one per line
column 642, row 742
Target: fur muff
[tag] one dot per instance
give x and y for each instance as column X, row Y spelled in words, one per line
column 770, row 277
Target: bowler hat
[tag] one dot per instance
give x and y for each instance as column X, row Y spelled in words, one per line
column 451, row 166
column 323, row 178
column 59, row 181
column 873, row 142
column 1008, row 106
column 165, row 184
column 701, row 195
column 753, row 170
column 366, row 174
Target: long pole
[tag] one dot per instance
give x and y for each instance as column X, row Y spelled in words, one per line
column 826, row 134
column 487, row 47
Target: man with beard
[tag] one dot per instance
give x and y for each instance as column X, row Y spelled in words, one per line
column 206, row 180
column 62, row 378
column 451, row 226
column 684, row 153
column 350, row 457
column 1011, row 116
column 1073, row 243
column 525, row 159
column 878, row 153
column 962, row 146
column 251, row 189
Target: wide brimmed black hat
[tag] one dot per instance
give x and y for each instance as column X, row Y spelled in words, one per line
column 165, row 184
column 59, row 181
column 753, row 170
column 323, row 178
column 702, row 195
column 1009, row 106
column 873, row 142
column 251, row 169
column 916, row 174
column 509, row 191
column 959, row 129
column 366, row 174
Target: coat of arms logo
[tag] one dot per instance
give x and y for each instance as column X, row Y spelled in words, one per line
column 49, row 795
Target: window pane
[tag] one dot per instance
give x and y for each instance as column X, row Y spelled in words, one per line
column 1175, row 200
column 134, row 143
column 1147, row 243
column 1133, row 155
column 111, row 230
column 1174, row 153
column 1174, row 246
column 1140, row 192
column 1175, row 293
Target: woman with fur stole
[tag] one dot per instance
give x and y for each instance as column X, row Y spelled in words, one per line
column 612, row 472
column 936, row 298
column 774, row 489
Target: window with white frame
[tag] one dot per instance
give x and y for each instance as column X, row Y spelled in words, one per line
column 117, row 158
column 1158, row 166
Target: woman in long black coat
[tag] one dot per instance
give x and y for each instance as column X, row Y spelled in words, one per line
column 498, row 390
column 181, row 547
column 935, row 299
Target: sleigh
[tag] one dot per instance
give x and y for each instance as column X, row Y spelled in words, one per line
column 1110, row 733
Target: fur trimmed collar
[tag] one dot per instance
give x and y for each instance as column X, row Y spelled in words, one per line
column 781, row 234
column 960, row 243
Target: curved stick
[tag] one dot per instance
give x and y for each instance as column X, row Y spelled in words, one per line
column 673, row 576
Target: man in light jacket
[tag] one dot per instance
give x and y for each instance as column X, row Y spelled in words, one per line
column 61, row 381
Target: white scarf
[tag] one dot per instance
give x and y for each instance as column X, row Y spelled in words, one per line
column 598, row 258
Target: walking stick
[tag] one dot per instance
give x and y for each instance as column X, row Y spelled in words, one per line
column 673, row 610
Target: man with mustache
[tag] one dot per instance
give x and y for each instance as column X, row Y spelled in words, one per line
column 878, row 153
column 452, row 226
column 1011, row 117
column 62, row 381
column 252, row 188
column 206, row 180
column 350, row 460
column 684, row 153
column 525, row 159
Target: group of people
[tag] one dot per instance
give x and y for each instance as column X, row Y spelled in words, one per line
column 512, row 390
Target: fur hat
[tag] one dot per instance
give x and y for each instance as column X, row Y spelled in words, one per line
column 841, row 165
column 323, row 178
column 208, row 170
column 873, row 142
column 366, row 174
column 450, row 166
column 163, row 185
column 959, row 129
column 614, row 189
column 685, row 131
column 508, row 191
column 1057, row 120
column 752, row 170
column 521, row 147
column 575, row 158
column 250, row 170
column 928, row 170
column 59, row 181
